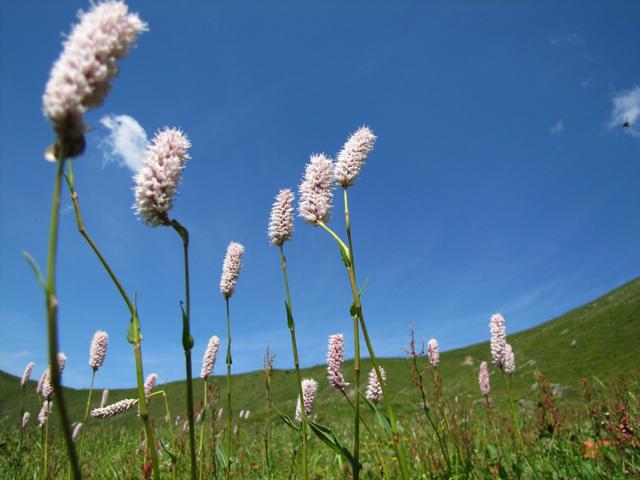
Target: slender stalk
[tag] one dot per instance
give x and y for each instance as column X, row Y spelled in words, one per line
column 356, row 301
column 229, row 416
column 202, row 420
column 51, row 303
column 517, row 426
column 45, row 457
column 86, row 411
column 187, row 343
column 136, row 336
column 296, row 362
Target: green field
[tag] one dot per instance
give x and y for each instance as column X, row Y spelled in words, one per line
column 598, row 341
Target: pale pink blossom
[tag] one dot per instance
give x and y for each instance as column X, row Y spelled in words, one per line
column 43, row 416
column 498, row 339
column 335, row 361
column 150, row 383
column 158, row 179
column 231, row 269
column 98, row 349
column 105, row 398
column 79, row 79
column 509, row 360
column 316, row 190
column 483, row 379
column 76, row 431
column 374, row 389
column 309, row 391
column 433, row 350
column 25, row 419
column 26, row 374
column 209, row 358
column 353, row 155
column 281, row 218
column 114, row 409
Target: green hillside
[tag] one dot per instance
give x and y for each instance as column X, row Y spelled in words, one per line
column 599, row 339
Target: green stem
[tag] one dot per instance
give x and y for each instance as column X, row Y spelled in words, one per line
column 51, row 304
column 296, row 362
column 86, row 410
column 135, row 325
column 356, row 301
column 229, row 361
column 45, row 459
column 517, row 426
column 187, row 343
column 202, row 421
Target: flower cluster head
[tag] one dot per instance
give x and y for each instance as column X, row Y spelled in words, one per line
column 158, row 179
column 79, row 79
column 26, row 374
column 316, row 190
column 433, row 350
column 353, row 155
column 98, row 349
column 150, row 383
column 374, row 389
column 309, row 391
column 281, row 218
column 25, row 419
column 105, row 398
column 335, row 360
column 76, row 431
column 43, row 416
column 114, row 409
column 483, row 379
column 45, row 387
column 209, row 359
column 498, row 339
column 231, row 269
column 509, row 364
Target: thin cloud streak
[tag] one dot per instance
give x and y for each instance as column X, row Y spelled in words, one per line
column 125, row 141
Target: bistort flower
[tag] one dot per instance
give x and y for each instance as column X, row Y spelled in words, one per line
column 79, row 79
column 335, row 360
column 150, row 383
column 353, row 155
column 374, row 389
column 316, row 190
column 231, row 269
column 158, row 179
column 281, row 218
column 498, row 339
column 114, row 409
column 509, row 360
column 433, row 350
column 209, row 358
column 26, row 374
column 483, row 379
column 309, row 391
column 98, row 349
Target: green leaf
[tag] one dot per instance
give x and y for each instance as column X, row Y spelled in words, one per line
column 353, row 310
column 331, row 440
column 187, row 339
column 222, row 456
column 290, row 322
column 173, row 458
column 287, row 419
column 130, row 335
column 383, row 420
column 36, row 269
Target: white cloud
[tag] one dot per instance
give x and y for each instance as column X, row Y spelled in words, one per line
column 568, row 39
column 626, row 108
column 125, row 141
column 557, row 128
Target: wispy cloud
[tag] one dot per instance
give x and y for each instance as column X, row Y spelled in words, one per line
column 125, row 141
column 571, row 38
column 626, row 111
column 557, row 128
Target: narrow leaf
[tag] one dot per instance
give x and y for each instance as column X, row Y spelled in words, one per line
column 331, row 440
column 36, row 269
column 290, row 322
column 173, row 457
column 287, row 419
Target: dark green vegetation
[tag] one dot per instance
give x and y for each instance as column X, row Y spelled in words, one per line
column 598, row 342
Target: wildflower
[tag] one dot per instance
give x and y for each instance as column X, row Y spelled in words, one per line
column 309, row 391
column 209, row 359
column 105, row 398
column 79, row 79
column 434, row 352
column 114, row 409
column 220, row 412
column 483, row 379
column 42, row 381
column 158, row 179
column 246, row 414
column 374, row 389
column 335, row 360
column 281, row 218
column 316, row 190
column 353, row 155
column 98, row 349
column 241, row 415
column 43, row 416
column 498, row 339
column 76, row 431
column 150, row 383
column 25, row 419
column 26, row 374
column 509, row 360
column 231, row 269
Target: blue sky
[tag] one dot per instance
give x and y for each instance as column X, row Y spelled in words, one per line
column 502, row 179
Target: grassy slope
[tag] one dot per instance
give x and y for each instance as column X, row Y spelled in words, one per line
column 606, row 334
